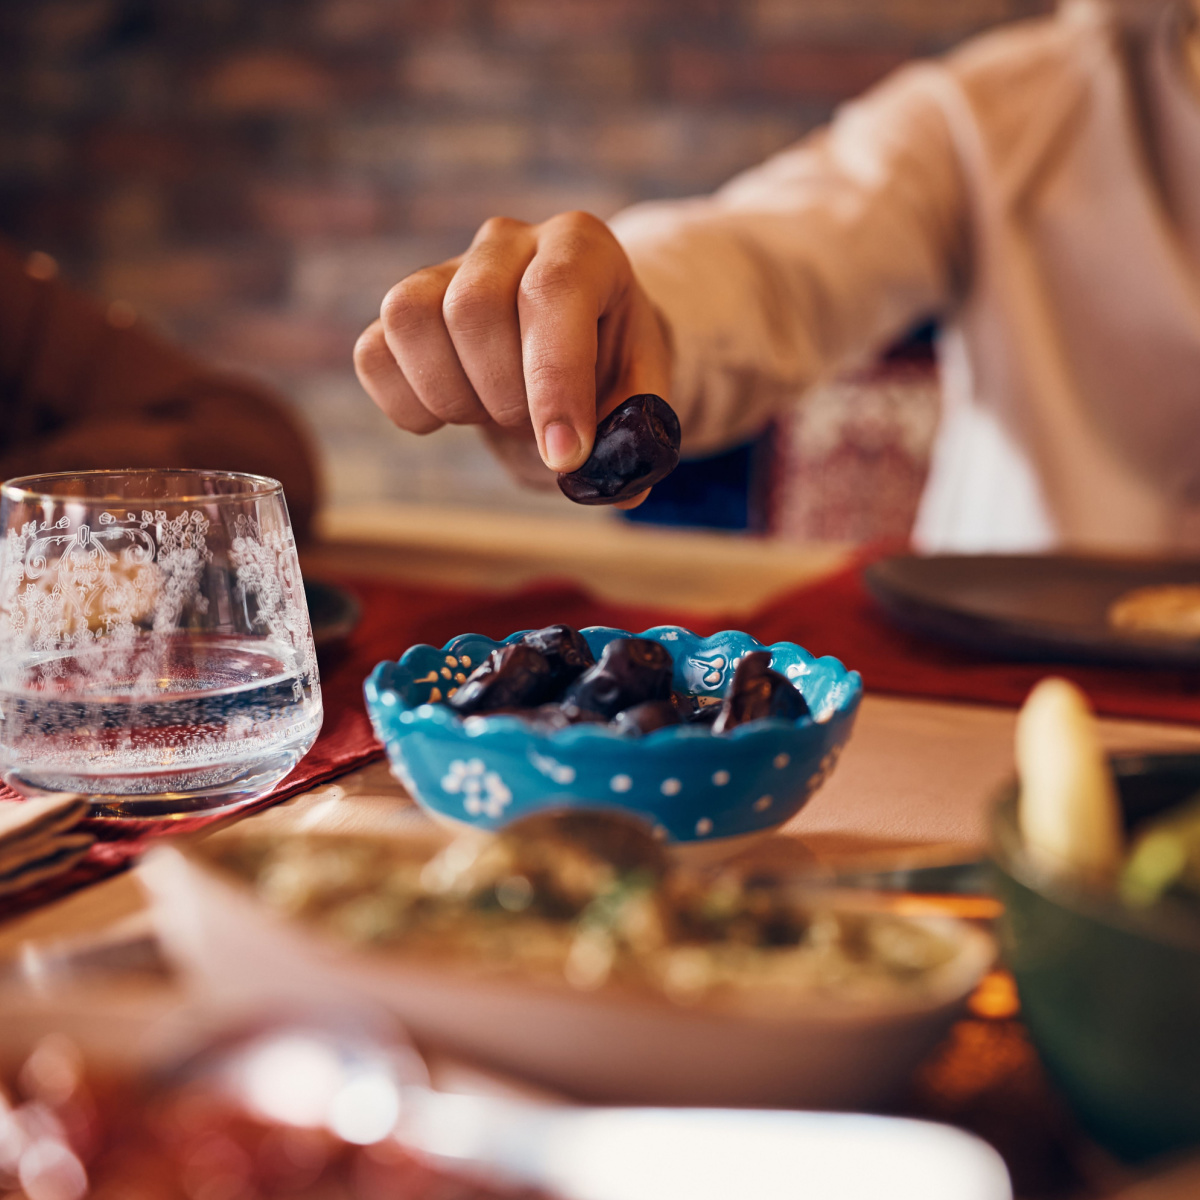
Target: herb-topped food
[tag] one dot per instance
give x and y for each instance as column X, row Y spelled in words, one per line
column 591, row 898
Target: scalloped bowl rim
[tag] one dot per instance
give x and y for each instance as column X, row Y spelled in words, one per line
column 483, row 728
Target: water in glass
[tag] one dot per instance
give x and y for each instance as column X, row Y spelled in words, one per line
column 155, row 649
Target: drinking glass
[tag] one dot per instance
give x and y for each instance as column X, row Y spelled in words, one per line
column 155, row 647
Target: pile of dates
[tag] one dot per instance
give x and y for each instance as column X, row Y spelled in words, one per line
column 550, row 678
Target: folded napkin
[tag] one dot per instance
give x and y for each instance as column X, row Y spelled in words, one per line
column 40, row 839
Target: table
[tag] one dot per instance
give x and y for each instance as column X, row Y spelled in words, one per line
column 916, row 779
column 915, row 774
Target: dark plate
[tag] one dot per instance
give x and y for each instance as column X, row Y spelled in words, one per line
column 1032, row 606
column 333, row 612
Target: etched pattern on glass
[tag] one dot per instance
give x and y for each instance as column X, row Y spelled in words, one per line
column 92, row 590
column 268, row 570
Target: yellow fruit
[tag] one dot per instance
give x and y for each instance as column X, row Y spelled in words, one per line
column 1068, row 812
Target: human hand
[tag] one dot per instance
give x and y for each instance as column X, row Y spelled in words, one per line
column 536, row 331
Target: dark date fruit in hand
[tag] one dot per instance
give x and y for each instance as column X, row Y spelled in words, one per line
column 646, row 717
column 629, row 671
column 757, row 692
column 636, row 446
column 566, row 651
column 512, row 676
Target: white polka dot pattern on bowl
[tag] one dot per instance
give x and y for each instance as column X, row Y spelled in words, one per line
column 703, row 827
column 620, row 783
column 781, row 761
column 720, row 778
column 763, row 803
column 671, row 787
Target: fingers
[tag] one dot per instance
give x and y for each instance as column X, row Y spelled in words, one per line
column 384, row 382
column 529, row 329
column 480, row 311
column 567, row 288
column 452, row 337
column 416, row 334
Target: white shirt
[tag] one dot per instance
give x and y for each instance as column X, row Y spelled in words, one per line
column 1039, row 191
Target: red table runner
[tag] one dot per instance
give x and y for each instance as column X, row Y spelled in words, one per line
column 838, row 617
column 834, row 616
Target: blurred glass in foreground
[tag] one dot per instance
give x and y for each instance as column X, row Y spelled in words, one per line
column 292, row 1112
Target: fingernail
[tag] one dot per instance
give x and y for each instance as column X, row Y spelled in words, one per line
column 562, row 447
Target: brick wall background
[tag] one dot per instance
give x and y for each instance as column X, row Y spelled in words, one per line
column 254, row 176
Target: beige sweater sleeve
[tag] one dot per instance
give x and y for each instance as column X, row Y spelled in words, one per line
column 808, row 262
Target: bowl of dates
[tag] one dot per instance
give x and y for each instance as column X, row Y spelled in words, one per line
column 706, row 739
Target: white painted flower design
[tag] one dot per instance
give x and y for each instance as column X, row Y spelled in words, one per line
column 561, row 773
column 484, row 793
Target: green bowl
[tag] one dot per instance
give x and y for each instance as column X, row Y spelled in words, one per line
column 1110, row 994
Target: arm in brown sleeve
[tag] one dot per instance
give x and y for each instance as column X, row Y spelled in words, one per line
column 84, row 387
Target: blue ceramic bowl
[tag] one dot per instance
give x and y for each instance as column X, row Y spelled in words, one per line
column 693, row 786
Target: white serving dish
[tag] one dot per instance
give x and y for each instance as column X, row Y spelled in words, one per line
column 712, row 1154
column 608, row 1046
